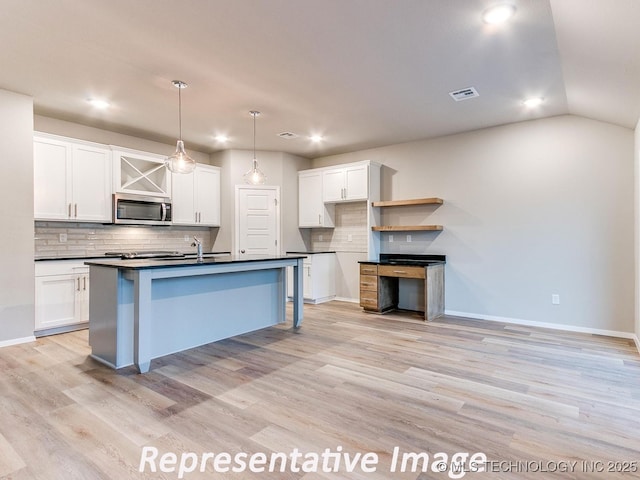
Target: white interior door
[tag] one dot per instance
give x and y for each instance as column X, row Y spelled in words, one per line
column 257, row 221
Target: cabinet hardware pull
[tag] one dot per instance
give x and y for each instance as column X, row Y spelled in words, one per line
column 399, row 271
column 78, row 283
column 319, row 220
column 76, row 211
column 84, row 283
column 69, row 210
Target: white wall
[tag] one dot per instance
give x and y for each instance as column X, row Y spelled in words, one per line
column 531, row 209
column 636, row 244
column 16, row 211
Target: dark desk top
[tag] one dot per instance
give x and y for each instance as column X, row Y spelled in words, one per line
column 409, row 259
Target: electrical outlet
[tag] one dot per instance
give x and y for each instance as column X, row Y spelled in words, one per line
column 349, row 238
column 408, row 238
column 319, row 238
column 63, row 238
column 187, row 238
column 390, row 238
column 555, row 299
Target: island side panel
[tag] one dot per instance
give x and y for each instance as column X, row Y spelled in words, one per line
column 143, row 320
column 103, row 312
column 187, row 312
column 298, row 293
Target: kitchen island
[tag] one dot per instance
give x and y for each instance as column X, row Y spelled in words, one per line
column 145, row 309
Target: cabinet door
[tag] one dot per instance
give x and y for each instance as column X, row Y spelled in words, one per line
column 91, row 170
column 52, row 179
column 310, row 203
column 183, row 210
column 333, row 185
column 307, row 282
column 207, row 189
column 82, row 299
column 56, row 300
column 357, row 183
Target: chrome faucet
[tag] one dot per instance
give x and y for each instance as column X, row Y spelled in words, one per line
column 198, row 244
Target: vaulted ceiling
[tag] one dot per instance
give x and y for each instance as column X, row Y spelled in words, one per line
column 362, row 73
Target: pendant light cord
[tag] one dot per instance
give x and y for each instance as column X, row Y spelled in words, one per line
column 180, row 110
column 254, row 136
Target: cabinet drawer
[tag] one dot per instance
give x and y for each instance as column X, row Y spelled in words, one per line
column 400, row 271
column 60, row 267
column 369, row 283
column 369, row 299
column 368, row 269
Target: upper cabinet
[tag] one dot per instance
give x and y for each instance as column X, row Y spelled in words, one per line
column 196, row 197
column 346, row 183
column 140, row 173
column 72, row 180
column 312, row 211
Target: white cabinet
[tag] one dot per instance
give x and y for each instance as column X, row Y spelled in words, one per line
column 312, row 211
column 318, row 279
column 346, row 183
column 140, row 173
column 196, row 197
column 72, row 180
column 62, row 294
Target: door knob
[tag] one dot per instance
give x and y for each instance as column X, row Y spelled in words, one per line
column 242, row 251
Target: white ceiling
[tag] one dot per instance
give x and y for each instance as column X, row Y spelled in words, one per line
column 363, row 73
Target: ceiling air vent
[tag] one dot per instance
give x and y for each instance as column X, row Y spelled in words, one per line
column 287, row 135
column 464, row 94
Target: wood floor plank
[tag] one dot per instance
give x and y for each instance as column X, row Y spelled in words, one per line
column 367, row 383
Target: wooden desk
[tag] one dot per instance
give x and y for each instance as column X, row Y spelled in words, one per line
column 379, row 286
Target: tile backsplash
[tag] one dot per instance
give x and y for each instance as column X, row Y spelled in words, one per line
column 61, row 239
column 350, row 233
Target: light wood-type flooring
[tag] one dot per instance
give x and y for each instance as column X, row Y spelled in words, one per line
column 361, row 383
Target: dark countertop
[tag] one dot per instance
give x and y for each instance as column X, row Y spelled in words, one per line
column 412, row 260
column 184, row 262
column 104, row 257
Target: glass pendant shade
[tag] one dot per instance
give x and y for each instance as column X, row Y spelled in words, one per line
column 180, row 162
column 254, row 175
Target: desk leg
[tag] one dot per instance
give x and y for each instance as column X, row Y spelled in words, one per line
column 142, row 320
column 297, row 294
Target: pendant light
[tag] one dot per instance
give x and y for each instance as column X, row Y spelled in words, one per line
column 180, row 162
column 254, row 176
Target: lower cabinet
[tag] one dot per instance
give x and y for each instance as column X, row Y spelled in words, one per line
column 62, row 296
column 318, row 278
column 379, row 287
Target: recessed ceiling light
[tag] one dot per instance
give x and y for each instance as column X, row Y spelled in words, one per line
column 533, row 102
column 102, row 104
column 222, row 138
column 498, row 13
column 316, row 138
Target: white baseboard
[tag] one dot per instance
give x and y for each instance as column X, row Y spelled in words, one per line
column 349, row 300
column 554, row 326
column 17, row 341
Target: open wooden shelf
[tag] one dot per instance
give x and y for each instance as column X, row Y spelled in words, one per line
column 414, row 201
column 405, row 228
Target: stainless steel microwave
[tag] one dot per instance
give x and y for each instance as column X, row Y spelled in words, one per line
column 132, row 209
